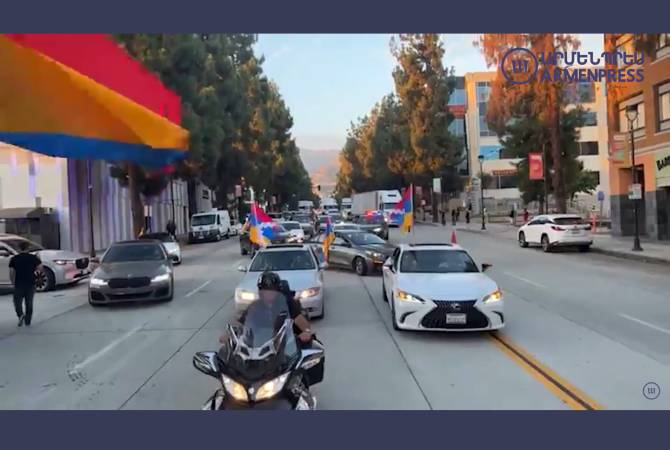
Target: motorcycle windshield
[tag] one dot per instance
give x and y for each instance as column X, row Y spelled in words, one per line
column 262, row 343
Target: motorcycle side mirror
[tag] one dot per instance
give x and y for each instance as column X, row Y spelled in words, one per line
column 205, row 362
column 242, row 268
column 311, row 358
column 486, row 266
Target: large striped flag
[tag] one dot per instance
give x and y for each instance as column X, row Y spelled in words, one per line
column 262, row 230
column 406, row 207
column 330, row 237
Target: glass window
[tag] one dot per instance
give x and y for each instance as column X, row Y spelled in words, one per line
column 207, row 219
column 623, row 119
column 365, row 238
column 163, row 237
column 490, row 151
column 338, row 241
column 507, row 182
column 663, row 41
column 457, row 97
column 282, row 260
column 134, row 252
column 625, row 48
column 437, row 261
column 590, row 119
column 663, row 93
column 457, row 128
column 15, row 243
column 575, row 220
column 588, row 148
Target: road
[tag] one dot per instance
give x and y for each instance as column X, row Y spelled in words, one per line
column 584, row 331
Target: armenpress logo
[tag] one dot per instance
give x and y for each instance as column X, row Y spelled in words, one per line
column 521, row 66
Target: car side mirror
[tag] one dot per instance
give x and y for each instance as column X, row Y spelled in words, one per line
column 4, row 253
column 242, row 268
column 486, row 266
column 206, row 363
column 95, row 260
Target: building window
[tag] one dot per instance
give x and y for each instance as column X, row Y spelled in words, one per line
column 588, row 148
column 490, row 151
column 582, row 92
column 507, row 182
column 663, row 41
column 590, row 119
column 625, row 47
column 663, row 106
column 457, row 97
column 595, row 175
column 457, row 127
column 623, row 119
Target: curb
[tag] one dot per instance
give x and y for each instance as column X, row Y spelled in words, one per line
column 631, row 256
column 432, row 224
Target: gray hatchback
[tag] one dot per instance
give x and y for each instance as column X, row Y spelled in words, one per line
column 132, row 271
column 358, row 250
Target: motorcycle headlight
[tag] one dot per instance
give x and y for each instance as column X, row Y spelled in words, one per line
column 306, row 293
column 245, row 295
column 407, row 297
column 271, row 388
column 493, row 297
column 98, row 282
column 161, row 278
column 235, row 389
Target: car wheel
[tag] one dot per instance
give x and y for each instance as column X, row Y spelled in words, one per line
column 584, row 248
column 44, row 280
column 218, row 236
column 359, row 266
column 546, row 246
column 227, row 235
column 522, row 240
column 394, row 321
column 384, row 296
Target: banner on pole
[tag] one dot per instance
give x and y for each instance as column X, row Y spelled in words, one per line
column 535, row 166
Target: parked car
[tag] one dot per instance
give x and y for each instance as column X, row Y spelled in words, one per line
column 60, row 267
column 281, row 236
column 132, row 271
column 169, row 242
column 556, row 230
column 439, row 287
column 209, row 226
column 298, row 264
column 374, row 223
column 357, row 250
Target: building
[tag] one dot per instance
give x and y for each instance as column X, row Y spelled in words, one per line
column 650, row 98
column 502, row 192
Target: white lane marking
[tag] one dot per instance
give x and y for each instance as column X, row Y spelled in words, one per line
column 97, row 355
column 525, row 280
column 646, row 324
column 196, row 290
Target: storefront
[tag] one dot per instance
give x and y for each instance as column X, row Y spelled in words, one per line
column 662, row 174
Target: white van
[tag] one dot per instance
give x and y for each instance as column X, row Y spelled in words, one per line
column 210, row 226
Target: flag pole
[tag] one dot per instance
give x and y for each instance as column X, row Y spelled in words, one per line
column 411, row 199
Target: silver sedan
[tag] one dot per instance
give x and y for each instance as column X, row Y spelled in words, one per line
column 360, row 251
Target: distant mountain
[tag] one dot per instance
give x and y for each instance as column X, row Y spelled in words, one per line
column 322, row 166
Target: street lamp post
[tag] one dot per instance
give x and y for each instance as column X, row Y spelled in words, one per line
column 481, row 187
column 631, row 115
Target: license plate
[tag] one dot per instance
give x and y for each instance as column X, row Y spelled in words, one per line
column 576, row 232
column 456, row 319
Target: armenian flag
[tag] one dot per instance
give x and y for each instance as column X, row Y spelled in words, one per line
column 330, row 237
column 262, row 229
column 406, row 207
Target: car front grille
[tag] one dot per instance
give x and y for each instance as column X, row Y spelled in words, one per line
column 437, row 318
column 81, row 263
column 137, row 296
column 122, row 283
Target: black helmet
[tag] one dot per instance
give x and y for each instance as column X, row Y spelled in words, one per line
column 269, row 281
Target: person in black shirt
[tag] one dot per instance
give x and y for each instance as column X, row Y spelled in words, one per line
column 22, row 269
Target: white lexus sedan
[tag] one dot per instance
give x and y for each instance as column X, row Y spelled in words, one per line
column 439, row 287
column 556, row 230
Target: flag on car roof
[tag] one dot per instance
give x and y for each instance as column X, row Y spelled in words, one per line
column 262, row 229
column 406, row 209
column 330, row 237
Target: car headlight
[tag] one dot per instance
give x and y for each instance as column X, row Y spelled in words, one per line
column 62, row 262
column 271, row 388
column 306, row 293
column 407, row 297
column 98, row 282
column 245, row 295
column 378, row 230
column 374, row 255
column 493, row 297
column 235, row 389
column 161, row 278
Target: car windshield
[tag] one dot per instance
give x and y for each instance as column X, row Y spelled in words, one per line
column 282, row 260
column 16, row 243
column 134, row 252
column 335, row 217
column 207, row 219
column 163, row 237
column 301, row 219
column 372, row 219
column 568, row 221
column 291, row 226
column 437, row 261
column 345, row 226
column 364, row 238
column 388, row 206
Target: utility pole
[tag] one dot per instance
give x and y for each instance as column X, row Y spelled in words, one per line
column 89, row 180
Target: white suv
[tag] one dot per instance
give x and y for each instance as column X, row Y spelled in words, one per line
column 554, row 230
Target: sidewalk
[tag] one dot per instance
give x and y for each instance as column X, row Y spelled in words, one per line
column 621, row 247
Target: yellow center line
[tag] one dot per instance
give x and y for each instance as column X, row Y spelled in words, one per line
column 557, row 385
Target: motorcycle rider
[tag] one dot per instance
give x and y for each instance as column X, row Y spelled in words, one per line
column 271, row 289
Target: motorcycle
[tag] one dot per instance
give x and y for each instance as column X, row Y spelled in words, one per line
column 260, row 364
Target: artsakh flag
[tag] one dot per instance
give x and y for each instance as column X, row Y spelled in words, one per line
column 406, row 208
column 330, row 237
column 262, row 230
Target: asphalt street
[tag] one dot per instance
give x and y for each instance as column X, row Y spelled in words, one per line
column 584, row 331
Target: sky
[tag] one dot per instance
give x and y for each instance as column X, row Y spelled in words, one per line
column 329, row 80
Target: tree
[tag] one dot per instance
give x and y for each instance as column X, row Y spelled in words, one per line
column 544, row 99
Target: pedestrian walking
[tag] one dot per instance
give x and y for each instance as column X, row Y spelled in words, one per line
column 444, row 218
column 453, row 216
column 22, row 269
column 171, row 228
column 511, row 217
column 467, row 216
column 525, row 215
